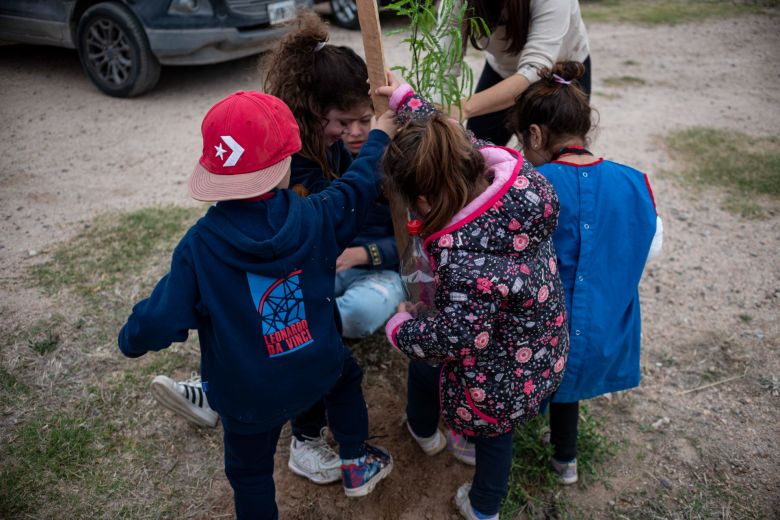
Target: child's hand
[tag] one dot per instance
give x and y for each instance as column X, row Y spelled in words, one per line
column 405, row 307
column 392, row 84
column 386, row 123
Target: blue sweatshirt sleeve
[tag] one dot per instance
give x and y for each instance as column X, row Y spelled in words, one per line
column 349, row 198
column 166, row 316
column 382, row 253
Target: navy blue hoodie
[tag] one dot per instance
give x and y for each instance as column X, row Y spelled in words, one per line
column 376, row 233
column 256, row 279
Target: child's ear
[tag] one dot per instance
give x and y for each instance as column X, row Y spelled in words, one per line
column 423, row 208
column 537, row 137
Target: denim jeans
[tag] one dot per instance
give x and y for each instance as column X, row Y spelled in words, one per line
column 249, row 459
column 366, row 299
column 493, row 454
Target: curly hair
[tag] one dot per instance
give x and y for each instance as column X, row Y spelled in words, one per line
column 313, row 78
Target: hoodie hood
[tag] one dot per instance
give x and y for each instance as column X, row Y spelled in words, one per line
column 262, row 236
column 516, row 213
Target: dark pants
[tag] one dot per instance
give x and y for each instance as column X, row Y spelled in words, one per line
column 311, row 422
column 494, row 454
column 492, row 127
column 564, row 418
column 249, row 459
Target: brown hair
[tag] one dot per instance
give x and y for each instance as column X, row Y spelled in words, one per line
column 312, row 82
column 514, row 15
column 562, row 110
column 435, row 159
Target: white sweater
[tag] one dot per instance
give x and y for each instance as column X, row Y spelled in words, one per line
column 556, row 33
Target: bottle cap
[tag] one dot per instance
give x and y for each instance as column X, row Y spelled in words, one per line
column 413, row 227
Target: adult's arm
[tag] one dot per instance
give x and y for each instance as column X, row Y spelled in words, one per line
column 550, row 21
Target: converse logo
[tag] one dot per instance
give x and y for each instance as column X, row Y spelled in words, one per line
column 236, row 151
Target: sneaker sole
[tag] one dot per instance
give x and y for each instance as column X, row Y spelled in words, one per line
column 170, row 399
column 301, row 472
column 369, row 486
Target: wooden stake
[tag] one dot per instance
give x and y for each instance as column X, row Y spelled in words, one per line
column 368, row 15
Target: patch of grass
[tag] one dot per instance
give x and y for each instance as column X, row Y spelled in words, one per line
column 742, row 165
column 624, row 81
column 745, row 318
column 10, row 388
column 710, row 497
column 630, row 63
column 533, row 485
column 44, row 344
column 670, row 12
column 608, row 95
column 111, row 248
column 103, row 457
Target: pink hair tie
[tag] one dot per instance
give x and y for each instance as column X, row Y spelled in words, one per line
column 560, row 80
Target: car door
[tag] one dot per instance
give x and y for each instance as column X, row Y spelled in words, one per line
column 36, row 21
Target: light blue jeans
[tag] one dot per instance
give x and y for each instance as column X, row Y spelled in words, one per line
column 366, row 299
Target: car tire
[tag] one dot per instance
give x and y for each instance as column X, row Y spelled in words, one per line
column 345, row 13
column 114, row 51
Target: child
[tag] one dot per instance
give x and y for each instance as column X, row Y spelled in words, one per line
column 326, row 88
column 325, row 85
column 254, row 276
column 607, row 229
column 500, row 332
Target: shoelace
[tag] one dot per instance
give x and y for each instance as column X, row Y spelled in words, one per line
column 321, row 447
column 194, row 380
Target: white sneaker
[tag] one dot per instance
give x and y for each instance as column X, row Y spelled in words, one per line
column 567, row 471
column 463, row 503
column 186, row 398
column 314, row 459
column 430, row 445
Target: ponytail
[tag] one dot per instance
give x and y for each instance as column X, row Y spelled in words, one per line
column 555, row 102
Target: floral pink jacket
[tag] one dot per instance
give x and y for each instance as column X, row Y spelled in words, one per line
column 500, row 333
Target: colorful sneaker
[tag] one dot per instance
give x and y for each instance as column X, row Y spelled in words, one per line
column 430, row 445
column 314, row 459
column 567, row 471
column 185, row 398
column 361, row 476
column 463, row 503
column 461, row 448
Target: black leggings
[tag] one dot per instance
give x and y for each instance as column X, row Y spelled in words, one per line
column 492, row 127
column 564, row 418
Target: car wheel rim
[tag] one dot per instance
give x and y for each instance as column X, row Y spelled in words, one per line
column 109, row 52
column 344, row 10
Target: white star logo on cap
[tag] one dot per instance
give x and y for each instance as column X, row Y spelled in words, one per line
column 236, row 150
column 220, row 151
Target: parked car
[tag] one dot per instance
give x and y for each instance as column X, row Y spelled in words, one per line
column 122, row 43
column 344, row 12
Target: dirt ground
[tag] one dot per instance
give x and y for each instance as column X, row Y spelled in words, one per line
column 70, row 154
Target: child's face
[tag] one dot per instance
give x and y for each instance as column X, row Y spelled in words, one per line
column 350, row 125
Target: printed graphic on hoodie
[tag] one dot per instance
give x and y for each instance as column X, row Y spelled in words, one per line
column 280, row 305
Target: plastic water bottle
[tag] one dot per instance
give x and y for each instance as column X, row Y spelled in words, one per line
column 416, row 271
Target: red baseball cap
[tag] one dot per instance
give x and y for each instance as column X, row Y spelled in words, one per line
column 248, row 139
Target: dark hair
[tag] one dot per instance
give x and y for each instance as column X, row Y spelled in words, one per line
column 563, row 110
column 514, row 15
column 435, row 159
column 312, row 82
